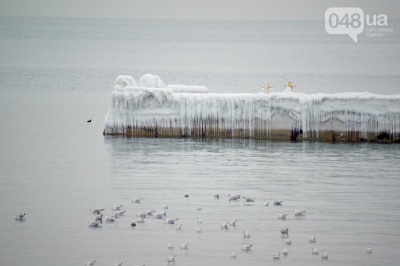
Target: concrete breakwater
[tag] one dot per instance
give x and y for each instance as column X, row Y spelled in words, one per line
column 151, row 109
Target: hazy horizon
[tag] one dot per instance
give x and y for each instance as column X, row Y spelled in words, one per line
column 192, row 10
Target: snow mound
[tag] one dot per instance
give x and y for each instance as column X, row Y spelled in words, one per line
column 151, row 81
column 123, row 81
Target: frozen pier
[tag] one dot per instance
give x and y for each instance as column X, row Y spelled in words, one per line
column 149, row 108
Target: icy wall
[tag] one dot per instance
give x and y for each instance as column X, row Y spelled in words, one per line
column 151, row 103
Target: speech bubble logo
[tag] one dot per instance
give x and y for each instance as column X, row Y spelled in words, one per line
column 344, row 20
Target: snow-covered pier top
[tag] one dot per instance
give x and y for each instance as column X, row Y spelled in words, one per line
column 151, row 109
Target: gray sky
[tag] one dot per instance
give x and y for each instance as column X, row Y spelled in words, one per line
column 191, row 9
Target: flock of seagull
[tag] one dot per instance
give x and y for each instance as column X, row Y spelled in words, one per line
column 117, row 212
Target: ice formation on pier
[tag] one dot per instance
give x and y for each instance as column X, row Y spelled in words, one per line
column 151, row 104
column 186, row 88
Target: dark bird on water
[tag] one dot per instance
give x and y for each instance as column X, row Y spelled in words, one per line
column 90, row 120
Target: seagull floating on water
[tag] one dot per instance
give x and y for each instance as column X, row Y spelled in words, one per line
column 282, row 216
column 137, row 200
column 249, row 199
column 233, row 255
column 142, row 215
column 185, row 246
column 140, row 220
column 288, row 241
column 324, row 255
column 199, row 208
column 110, row 219
column 313, row 239
column 369, row 250
column 90, row 263
column 246, row 247
column 198, row 230
column 285, row 230
column 150, row 213
column 171, row 221
column 96, row 211
column 276, row 256
column 117, row 264
column 20, row 217
column 198, row 220
column 161, row 215
column 99, row 218
column 171, row 259
column 224, row 226
column 285, row 252
column 246, row 234
column 266, row 203
column 165, row 206
column 216, row 195
column 170, row 245
column 237, row 197
column 120, row 213
column 117, row 207
column 93, row 224
column 314, row 251
column 299, row 214
column 232, row 223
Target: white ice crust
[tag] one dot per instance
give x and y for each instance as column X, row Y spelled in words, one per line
column 189, row 89
column 151, row 103
column 123, row 81
column 151, row 81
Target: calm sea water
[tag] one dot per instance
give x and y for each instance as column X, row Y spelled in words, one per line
column 57, row 73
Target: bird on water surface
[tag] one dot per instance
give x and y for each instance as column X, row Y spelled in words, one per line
column 246, row 247
column 171, row 259
column 94, row 224
column 20, row 217
column 324, row 255
column 285, row 230
column 96, row 211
